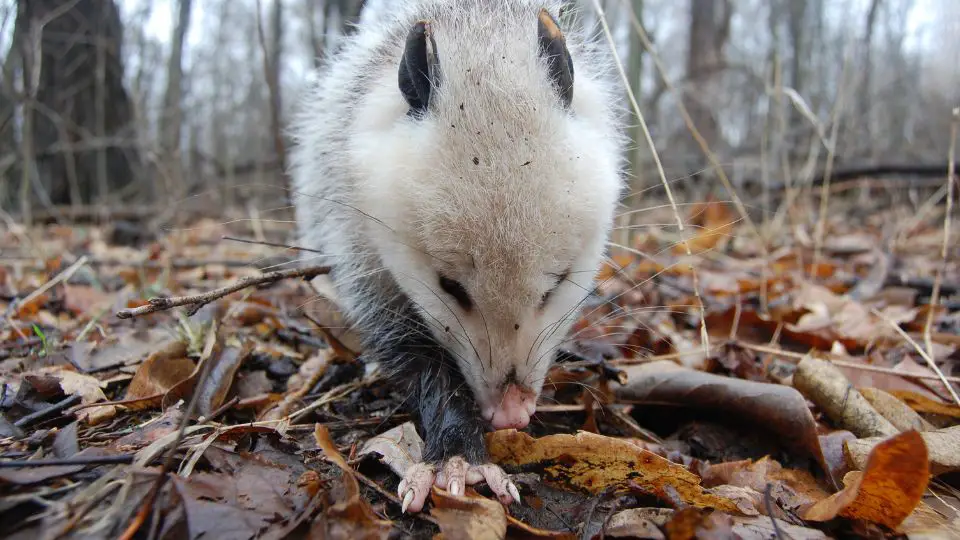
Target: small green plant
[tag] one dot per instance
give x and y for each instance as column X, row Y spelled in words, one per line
column 43, row 339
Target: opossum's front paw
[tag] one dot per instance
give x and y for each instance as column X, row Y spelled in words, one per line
column 454, row 476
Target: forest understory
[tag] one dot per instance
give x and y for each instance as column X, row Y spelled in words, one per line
column 793, row 389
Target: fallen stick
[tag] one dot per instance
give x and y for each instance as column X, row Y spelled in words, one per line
column 197, row 301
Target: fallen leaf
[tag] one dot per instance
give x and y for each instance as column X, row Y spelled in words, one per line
column 690, row 523
column 897, row 412
column 160, row 372
column 90, row 391
column 592, row 463
column 823, row 384
column 887, row 490
column 923, row 404
column 351, row 516
column 469, row 516
column 774, row 407
column 399, row 448
column 646, row 523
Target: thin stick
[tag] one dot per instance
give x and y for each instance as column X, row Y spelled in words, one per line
column 271, row 244
column 197, row 301
column 83, row 460
column 844, row 363
column 935, row 295
column 921, row 352
column 47, row 411
column 66, row 274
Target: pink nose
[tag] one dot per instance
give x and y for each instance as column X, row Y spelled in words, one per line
column 514, row 409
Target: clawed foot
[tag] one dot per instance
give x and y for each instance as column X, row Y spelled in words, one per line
column 454, row 476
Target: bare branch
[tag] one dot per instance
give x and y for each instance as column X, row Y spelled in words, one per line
column 197, row 301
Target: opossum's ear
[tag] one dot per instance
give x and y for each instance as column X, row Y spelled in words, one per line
column 554, row 47
column 419, row 67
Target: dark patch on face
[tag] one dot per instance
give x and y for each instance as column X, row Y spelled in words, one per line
column 461, row 106
column 516, row 326
column 476, row 160
column 457, row 291
column 525, row 163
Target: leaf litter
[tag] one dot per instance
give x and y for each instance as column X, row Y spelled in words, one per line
column 807, row 415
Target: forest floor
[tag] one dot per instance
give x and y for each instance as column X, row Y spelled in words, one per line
column 822, row 403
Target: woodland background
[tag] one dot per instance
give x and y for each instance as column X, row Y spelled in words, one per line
column 130, row 105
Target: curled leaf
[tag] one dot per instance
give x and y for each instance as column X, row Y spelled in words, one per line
column 592, row 463
column 887, row 490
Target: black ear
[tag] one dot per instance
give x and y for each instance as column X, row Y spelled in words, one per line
column 559, row 63
column 419, row 67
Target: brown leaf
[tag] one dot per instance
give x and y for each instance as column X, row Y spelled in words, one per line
column 923, row 404
column 160, row 372
column 690, row 523
column 352, row 516
column 399, row 447
column 213, row 392
column 469, row 516
column 887, row 490
column 592, row 463
column 823, row 384
column 897, row 412
column 770, row 406
column 90, row 391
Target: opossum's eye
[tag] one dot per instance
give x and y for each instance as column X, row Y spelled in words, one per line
column 554, row 47
column 418, row 67
column 456, row 290
column 546, row 296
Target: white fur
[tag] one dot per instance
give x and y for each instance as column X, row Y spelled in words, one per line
column 393, row 200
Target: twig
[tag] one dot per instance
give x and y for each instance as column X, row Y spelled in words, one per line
column 197, row 301
column 92, row 460
column 46, row 411
column 935, row 295
column 844, row 363
column 768, row 503
column 922, row 353
column 66, row 274
column 271, row 244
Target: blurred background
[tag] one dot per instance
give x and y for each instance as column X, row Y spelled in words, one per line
column 131, row 108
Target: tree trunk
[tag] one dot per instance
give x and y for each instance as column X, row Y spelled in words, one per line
column 709, row 30
column 171, row 120
column 865, row 112
column 83, row 125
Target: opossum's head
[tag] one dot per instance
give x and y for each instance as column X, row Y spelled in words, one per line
column 494, row 182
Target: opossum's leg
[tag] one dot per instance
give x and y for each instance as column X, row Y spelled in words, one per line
column 448, row 419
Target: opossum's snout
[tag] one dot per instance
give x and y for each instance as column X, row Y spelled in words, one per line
column 514, row 408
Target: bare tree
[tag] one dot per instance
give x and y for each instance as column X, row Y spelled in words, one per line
column 709, row 31
column 171, row 119
column 80, row 122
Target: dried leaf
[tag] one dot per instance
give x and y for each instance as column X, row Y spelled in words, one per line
column 592, row 463
column 887, row 490
column 160, row 372
column 469, row 516
column 923, row 404
column 823, row 384
column 90, row 391
column 775, row 407
column 352, row 516
column 897, row 412
column 400, row 447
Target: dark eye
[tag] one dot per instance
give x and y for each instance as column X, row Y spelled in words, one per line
column 546, row 295
column 456, row 290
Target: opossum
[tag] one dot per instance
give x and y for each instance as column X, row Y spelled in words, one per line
column 459, row 163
